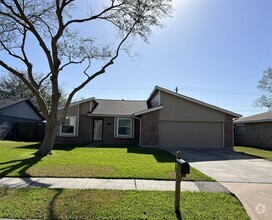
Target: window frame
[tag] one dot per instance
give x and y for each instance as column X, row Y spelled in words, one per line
column 240, row 130
column 74, row 134
column 131, row 133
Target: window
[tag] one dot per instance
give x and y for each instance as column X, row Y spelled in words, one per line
column 68, row 127
column 240, row 129
column 124, row 127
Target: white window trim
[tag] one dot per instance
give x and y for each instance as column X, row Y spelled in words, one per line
column 75, row 134
column 131, row 135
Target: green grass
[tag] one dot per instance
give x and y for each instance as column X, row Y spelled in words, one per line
column 106, row 204
column 17, row 159
column 265, row 154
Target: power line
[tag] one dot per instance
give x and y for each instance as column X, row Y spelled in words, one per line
column 194, row 89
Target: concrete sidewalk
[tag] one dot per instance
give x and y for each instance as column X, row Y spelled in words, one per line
column 113, row 184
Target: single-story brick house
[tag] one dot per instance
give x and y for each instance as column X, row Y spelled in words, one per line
column 166, row 119
column 255, row 130
column 19, row 120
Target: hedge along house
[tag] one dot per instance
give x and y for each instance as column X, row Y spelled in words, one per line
column 166, row 119
column 254, row 131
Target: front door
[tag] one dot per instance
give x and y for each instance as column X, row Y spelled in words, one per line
column 98, row 130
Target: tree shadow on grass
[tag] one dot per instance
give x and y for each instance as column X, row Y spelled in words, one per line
column 160, row 155
column 64, row 147
column 52, row 204
column 29, row 146
column 21, row 165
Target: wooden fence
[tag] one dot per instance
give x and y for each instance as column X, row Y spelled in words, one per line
column 28, row 131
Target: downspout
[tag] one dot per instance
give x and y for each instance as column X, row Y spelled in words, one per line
column 140, row 135
column 223, row 135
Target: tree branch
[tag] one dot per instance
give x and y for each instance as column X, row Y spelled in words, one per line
column 98, row 16
column 101, row 71
column 35, row 92
column 27, row 63
column 10, row 52
column 36, row 34
column 72, row 62
column 43, row 79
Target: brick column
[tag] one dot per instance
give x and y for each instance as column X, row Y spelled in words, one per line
column 150, row 128
column 228, row 132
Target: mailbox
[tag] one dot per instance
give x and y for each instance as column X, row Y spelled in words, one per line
column 182, row 167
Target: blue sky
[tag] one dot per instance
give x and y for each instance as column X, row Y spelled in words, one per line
column 212, row 50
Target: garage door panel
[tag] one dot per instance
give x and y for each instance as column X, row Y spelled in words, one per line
column 191, row 134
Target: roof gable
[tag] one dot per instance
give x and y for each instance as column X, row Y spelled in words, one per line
column 157, row 89
column 6, row 105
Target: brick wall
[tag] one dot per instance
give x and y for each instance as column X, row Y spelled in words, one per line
column 256, row 135
column 228, row 132
column 150, row 128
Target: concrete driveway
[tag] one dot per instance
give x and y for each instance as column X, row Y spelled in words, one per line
column 248, row 177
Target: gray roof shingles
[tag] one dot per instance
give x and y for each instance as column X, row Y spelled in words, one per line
column 4, row 103
column 263, row 117
column 118, row 107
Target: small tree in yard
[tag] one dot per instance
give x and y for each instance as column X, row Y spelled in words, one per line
column 55, row 28
column 265, row 85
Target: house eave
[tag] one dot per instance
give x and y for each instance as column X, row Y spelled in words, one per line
column 148, row 110
column 79, row 102
column 107, row 115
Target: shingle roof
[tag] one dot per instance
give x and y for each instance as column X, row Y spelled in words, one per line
column 263, row 117
column 4, row 103
column 119, row 107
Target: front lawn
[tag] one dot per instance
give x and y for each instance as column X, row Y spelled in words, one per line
column 41, row 203
column 17, row 159
column 265, row 154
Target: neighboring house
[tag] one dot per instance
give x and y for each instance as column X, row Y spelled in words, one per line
column 166, row 119
column 17, row 117
column 255, row 130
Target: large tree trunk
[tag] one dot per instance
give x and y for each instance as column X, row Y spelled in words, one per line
column 49, row 139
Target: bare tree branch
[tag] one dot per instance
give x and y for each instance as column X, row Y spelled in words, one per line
column 40, row 100
column 98, row 16
column 101, row 71
column 72, row 62
column 37, row 35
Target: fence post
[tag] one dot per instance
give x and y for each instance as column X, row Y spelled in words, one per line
column 178, row 180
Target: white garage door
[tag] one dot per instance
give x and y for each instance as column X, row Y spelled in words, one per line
column 191, row 134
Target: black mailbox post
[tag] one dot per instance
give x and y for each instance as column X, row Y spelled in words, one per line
column 182, row 168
